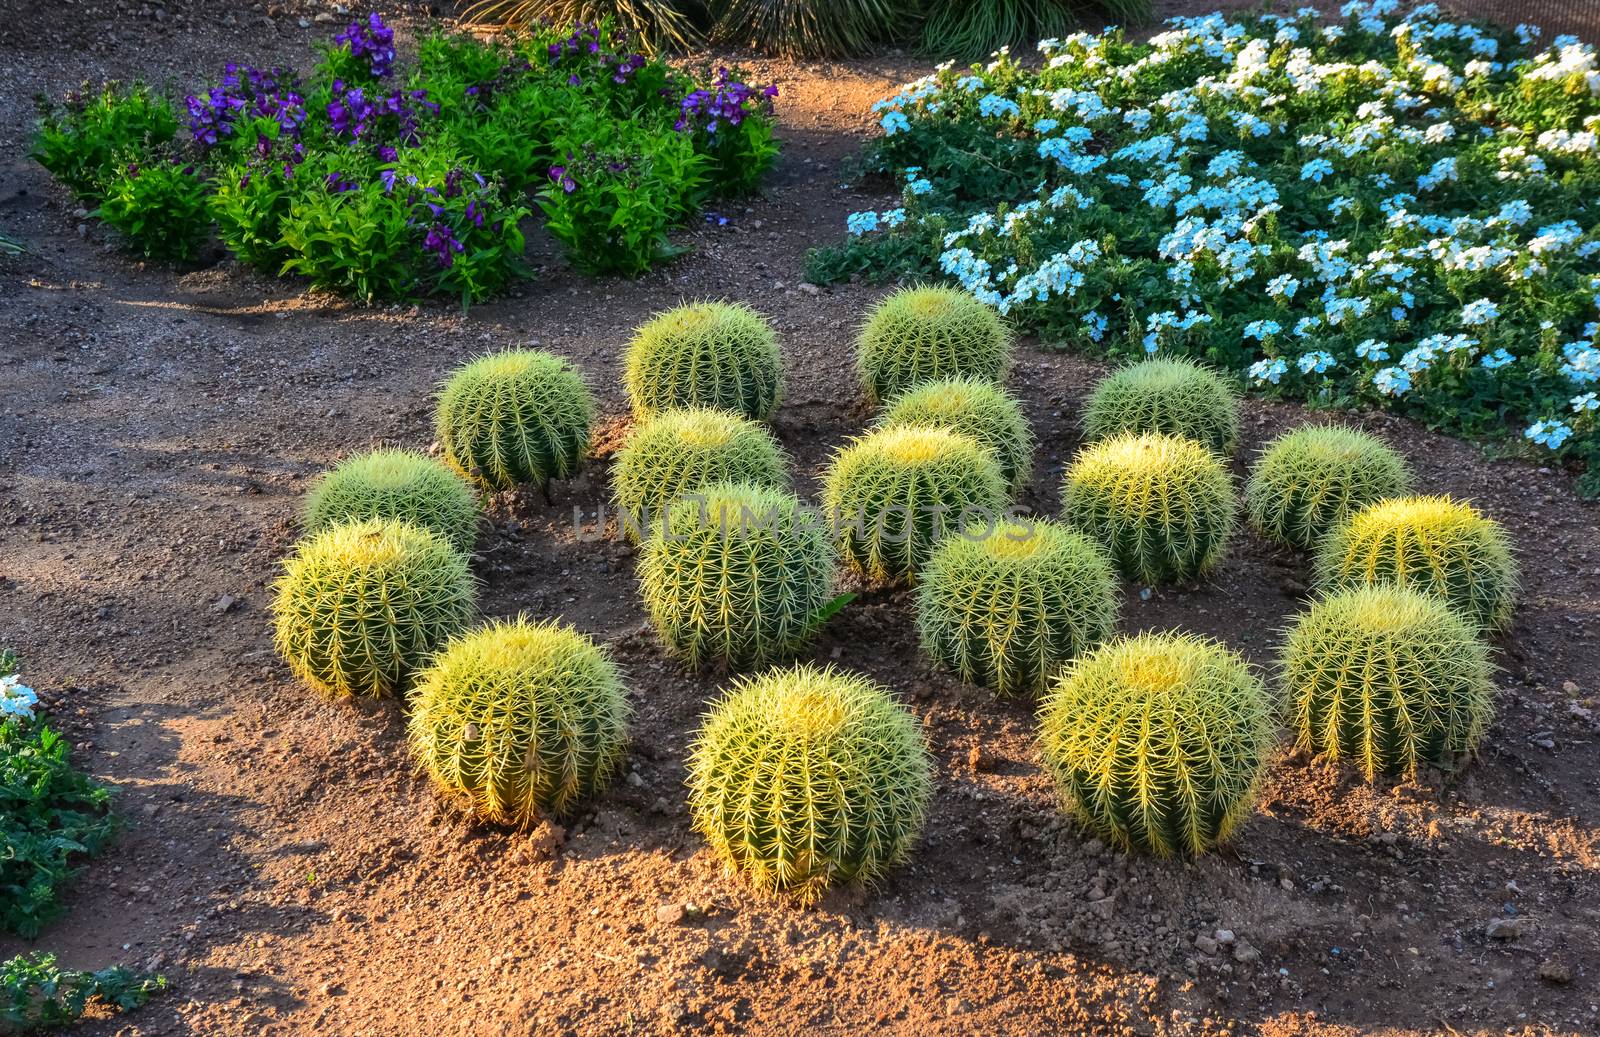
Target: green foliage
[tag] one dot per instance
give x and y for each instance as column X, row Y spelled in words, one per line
column 929, row 333
column 1007, row 608
column 1162, row 506
column 711, row 354
column 813, row 28
column 519, row 416
column 1173, row 395
column 50, row 816
column 1156, row 742
column 682, row 450
column 93, row 136
column 520, row 719
column 974, row 29
column 159, row 209
column 1389, row 678
column 737, row 573
column 249, row 204
column 396, row 484
column 617, row 189
column 36, row 993
column 654, row 25
column 1433, row 544
column 804, row 777
column 362, row 606
column 895, row 493
column 1309, row 481
column 973, row 407
column 349, row 229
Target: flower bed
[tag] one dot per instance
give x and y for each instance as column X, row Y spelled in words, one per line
column 1397, row 211
column 391, row 182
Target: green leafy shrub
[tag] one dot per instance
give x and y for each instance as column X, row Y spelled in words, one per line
column 1389, row 678
column 894, row 494
column 424, row 225
column 973, row 407
column 732, row 126
column 50, row 815
column 248, row 203
column 362, row 606
column 1007, row 609
column 804, row 777
column 36, row 993
column 709, row 354
column 617, row 189
column 1162, row 506
column 1309, row 481
column 520, row 719
column 515, row 417
column 92, row 137
column 1433, row 544
column 678, row 451
column 396, row 484
column 1173, row 395
column 737, row 573
column 159, row 209
column 1156, row 742
column 926, row 334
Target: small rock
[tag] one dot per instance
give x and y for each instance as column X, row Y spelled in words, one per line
column 226, row 603
column 1224, row 936
column 978, row 760
column 1246, row 954
column 670, row 914
column 1554, row 970
column 1205, row 945
column 1504, row 929
column 809, row 288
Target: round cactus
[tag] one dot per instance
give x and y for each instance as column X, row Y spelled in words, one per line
column 682, row 450
column 1007, row 609
column 361, row 606
column 396, row 484
column 803, row 777
column 1308, row 482
column 927, row 334
column 893, row 494
column 1162, row 506
column 1388, row 677
column 975, row 407
column 708, row 354
column 737, row 573
column 1156, row 742
column 515, row 417
column 519, row 720
column 1172, row 395
column 1432, row 544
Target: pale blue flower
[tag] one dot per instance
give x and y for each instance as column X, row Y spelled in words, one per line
column 1587, row 402
column 1318, row 361
column 858, row 223
column 16, row 699
column 1480, row 312
column 1373, row 350
column 1496, row 360
column 1317, row 170
column 1392, row 381
column 1548, row 432
column 1261, row 330
column 894, row 217
column 1046, row 125
column 1270, row 370
column 895, row 122
column 1283, row 287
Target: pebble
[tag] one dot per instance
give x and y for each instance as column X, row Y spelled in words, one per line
column 670, row 914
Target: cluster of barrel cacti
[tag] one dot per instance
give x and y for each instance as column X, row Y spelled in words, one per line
column 803, row 776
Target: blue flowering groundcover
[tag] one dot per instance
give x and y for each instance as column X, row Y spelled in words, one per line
column 388, row 181
column 1373, row 208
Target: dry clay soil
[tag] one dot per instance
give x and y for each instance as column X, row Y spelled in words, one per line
column 287, row 868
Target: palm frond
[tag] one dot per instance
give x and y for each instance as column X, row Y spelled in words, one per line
column 656, row 26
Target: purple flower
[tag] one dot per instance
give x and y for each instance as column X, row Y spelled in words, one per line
column 337, row 184
column 443, row 244
column 559, row 175
column 374, row 41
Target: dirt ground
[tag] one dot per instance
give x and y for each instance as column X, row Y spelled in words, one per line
column 285, row 865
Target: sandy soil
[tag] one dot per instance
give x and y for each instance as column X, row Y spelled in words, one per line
column 287, row 868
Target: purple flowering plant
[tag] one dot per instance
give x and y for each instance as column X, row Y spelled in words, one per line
column 386, row 179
